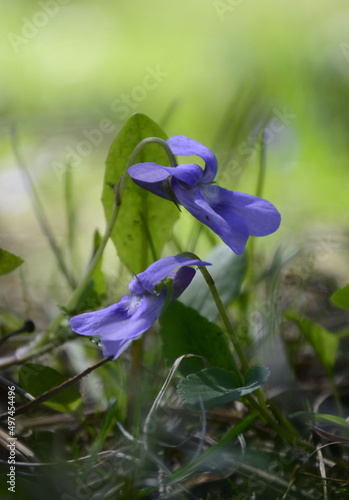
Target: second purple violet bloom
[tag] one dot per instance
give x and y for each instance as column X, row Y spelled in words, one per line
column 232, row 215
column 118, row 325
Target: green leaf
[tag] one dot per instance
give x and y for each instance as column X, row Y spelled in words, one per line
column 37, row 379
column 324, row 343
column 217, row 387
column 107, row 426
column 98, row 277
column 144, row 219
column 321, row 417
column 213, row 453
column 341, row 297
column 96, row 287
column 184, row 331
column 228, row 271
column 9, row 322
column 8, row 261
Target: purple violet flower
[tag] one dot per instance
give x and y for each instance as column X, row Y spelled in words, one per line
column 232, row 215
column 118, row 325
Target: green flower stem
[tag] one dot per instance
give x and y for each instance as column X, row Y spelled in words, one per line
column 263, row 410
column 133, row 386
column 261, row 405
column 38, row 345
column 262, row 165
column 336, row 397
column 224, row 316
column 83, row 283
column 71, row 218
column 134, row 403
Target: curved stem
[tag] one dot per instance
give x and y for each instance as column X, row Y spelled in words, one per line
column 83, row 283
column 224, row 316
column 262, row 165
column 133, row 404
column 37, row 346
column 119, row 192
column 260, row 405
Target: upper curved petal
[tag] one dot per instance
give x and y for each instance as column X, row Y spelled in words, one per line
column 184, row 146
column 233, row 229
column 159, row 270
column 119, row 324
column 261, row 217
column 189, row 173
column 150, row 176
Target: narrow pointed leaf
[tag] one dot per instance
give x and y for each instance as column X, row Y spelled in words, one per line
column 321, row 418
column 8, row 261
column 94, row 292
column 324, row 343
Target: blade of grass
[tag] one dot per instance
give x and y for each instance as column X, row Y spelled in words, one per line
column 39, row 211
column 71, row 216
column 188, row 469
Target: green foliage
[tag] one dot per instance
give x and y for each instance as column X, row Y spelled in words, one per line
column 324, row 343
column 37, row 379
column 185, row 331
column 228, row 271
column 217, row 387
column 107, row 425
column 208, row 456
column 96, row 286
column 8, row 261
column 9, row 322
column 144, row 219
column 321, row 418
column 341, row 297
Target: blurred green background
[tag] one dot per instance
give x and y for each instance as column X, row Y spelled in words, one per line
column 72, row 72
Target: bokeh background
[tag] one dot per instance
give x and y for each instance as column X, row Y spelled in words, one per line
column 73, row 71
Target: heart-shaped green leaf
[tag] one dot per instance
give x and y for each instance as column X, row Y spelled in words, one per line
column 216, row 387
column 37, row 379
column 184, row 331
